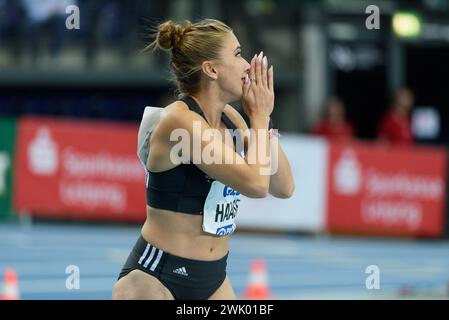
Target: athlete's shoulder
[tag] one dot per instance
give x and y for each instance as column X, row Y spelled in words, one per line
column 177, row 115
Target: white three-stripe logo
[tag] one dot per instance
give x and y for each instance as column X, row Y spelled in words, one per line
column 152, row 254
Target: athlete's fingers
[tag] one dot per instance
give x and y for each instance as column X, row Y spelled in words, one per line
column 264, row 71
column 259, row 68
column 252, row 70
column 246, row 85
column 270, row 79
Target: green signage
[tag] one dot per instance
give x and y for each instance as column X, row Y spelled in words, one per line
column 7, row 144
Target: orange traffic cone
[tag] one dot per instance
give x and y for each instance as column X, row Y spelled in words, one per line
column 10, row 286
column 258, row 282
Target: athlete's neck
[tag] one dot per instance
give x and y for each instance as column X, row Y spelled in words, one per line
column 211, row 106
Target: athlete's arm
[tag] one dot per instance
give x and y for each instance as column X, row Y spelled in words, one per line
column 281, row 182
column 182, row 130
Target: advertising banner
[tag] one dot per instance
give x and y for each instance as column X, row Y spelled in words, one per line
column 79, row 169
column 386, row 191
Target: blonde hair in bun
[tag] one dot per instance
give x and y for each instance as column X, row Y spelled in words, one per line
column 170, row 34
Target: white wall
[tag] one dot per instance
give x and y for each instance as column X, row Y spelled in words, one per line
column 305, row 210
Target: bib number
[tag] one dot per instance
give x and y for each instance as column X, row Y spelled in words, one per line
column 220, row 210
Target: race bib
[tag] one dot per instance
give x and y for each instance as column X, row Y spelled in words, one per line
column 220, row 210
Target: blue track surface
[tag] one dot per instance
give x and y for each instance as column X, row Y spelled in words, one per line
column 299, row 267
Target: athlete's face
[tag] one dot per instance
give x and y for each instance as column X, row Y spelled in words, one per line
column 232, row 68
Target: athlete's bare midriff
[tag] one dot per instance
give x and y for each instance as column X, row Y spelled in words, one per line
column 181, row 234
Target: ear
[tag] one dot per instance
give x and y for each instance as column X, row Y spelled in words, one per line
column 209, row 70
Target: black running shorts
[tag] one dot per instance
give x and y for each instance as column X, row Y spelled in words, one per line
column 186, row 279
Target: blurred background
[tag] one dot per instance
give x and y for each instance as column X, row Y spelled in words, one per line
column 362, row 103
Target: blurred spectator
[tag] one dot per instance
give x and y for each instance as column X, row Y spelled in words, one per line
column 334, row 125
column 120, row 25
column 45, row 15
column 395, row 127
column 10, row 13
column 102, row 21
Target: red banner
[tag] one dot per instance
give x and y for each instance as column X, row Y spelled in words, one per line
column 75, row 169
column 386, row 191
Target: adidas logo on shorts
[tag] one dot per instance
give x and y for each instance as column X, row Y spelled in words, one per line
column 182, row 271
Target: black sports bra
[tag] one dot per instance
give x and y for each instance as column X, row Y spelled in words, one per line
column 183, row 188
